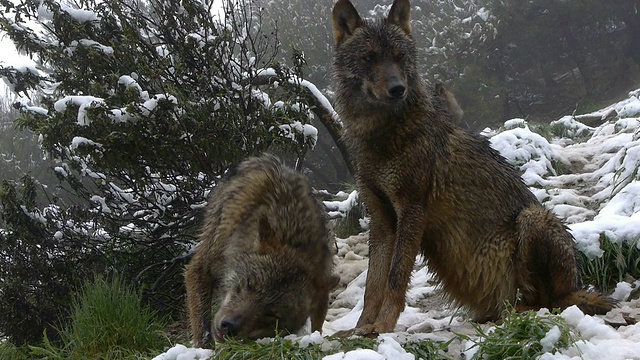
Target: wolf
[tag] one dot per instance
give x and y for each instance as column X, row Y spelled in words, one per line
column 449, row 102
column 435, row 189
column 263, row 259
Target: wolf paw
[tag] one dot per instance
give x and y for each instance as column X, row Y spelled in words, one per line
column 365, row 331
column 345, row 333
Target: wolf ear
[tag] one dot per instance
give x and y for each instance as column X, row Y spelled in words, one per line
column 266, row 234
column 399, row 15
column 345, row 20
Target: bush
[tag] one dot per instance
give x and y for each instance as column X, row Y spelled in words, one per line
column 35, row 285
column 347, row 212
column 143, row 106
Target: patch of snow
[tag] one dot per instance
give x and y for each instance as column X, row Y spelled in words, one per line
column 79, row 15
column 83, row 103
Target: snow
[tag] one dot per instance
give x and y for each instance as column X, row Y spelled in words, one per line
column 33, row 109
column 18, row 63
column 324, row 102
column 78, row 141
column 600, row 341
column 181, row 352
column 526, row 149
column 551, row 338
column 107, row 50
column 388, row 348
column 572, row 126
column 149, row 105
column 307, row 131
column 484, row 14
column 320, row 97
column 80, row 15
column 83, row 103
column 622, row 291
column 600, row 195
column 341, row 207
column 61, row 171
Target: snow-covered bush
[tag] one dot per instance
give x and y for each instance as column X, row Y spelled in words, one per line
column 525, row 149
column 144, row 106
column 347, row 213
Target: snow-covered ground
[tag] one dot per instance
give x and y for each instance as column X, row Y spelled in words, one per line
column 599, row 194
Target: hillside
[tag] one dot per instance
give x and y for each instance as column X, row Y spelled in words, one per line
column 588, row 175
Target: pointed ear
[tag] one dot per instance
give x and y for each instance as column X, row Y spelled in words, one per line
column 266, row 234
column 345, row 20
column 440, row 91
column 327, row 284
column 333, row 282
column 399, row 15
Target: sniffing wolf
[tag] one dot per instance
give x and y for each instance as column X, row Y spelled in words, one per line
column 264, row 256
column 435, row 189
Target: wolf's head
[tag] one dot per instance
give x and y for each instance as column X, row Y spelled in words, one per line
column 273, row 288
column 374, row 60
column 265, row 294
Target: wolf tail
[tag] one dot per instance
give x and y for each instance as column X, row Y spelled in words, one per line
column 590, row 302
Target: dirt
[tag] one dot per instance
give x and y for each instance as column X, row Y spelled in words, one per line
column 447, row 322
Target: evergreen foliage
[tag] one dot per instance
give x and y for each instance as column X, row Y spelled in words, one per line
column 143, row 105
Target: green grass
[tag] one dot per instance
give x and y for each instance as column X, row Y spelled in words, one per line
column 427, row 350
column 616, row 263
column 548, row 131
column 620, row 182
column 279, row 348
column 519, row 337
column 9, row 351
column 285, row 349
column 108, row 321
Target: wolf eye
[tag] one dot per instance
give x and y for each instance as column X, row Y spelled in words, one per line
column 248, row 285
column 400, row 55
column 271, row 315
column 368, row 57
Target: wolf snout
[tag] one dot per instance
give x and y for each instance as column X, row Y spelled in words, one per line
column 396, row 88
column 230, row 326
column 397, row 91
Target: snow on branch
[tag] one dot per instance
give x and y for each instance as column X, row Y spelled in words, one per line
column 269, row 76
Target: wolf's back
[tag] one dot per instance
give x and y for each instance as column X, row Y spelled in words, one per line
column 263, row 187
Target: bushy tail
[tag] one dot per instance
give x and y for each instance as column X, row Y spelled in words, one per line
column 590, row 302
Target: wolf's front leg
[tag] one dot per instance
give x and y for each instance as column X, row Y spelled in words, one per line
column 381, row 244
column 199, row 296
column 411, row 224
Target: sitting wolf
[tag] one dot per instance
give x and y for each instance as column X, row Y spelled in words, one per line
column 264, row 257
column 432, row 188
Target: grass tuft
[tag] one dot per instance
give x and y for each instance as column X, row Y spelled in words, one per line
column 108, row 321
column 618, row 261
column 523, row 335
column 9, row 351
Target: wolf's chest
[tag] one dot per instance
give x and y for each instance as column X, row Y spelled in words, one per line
column 385, row 173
